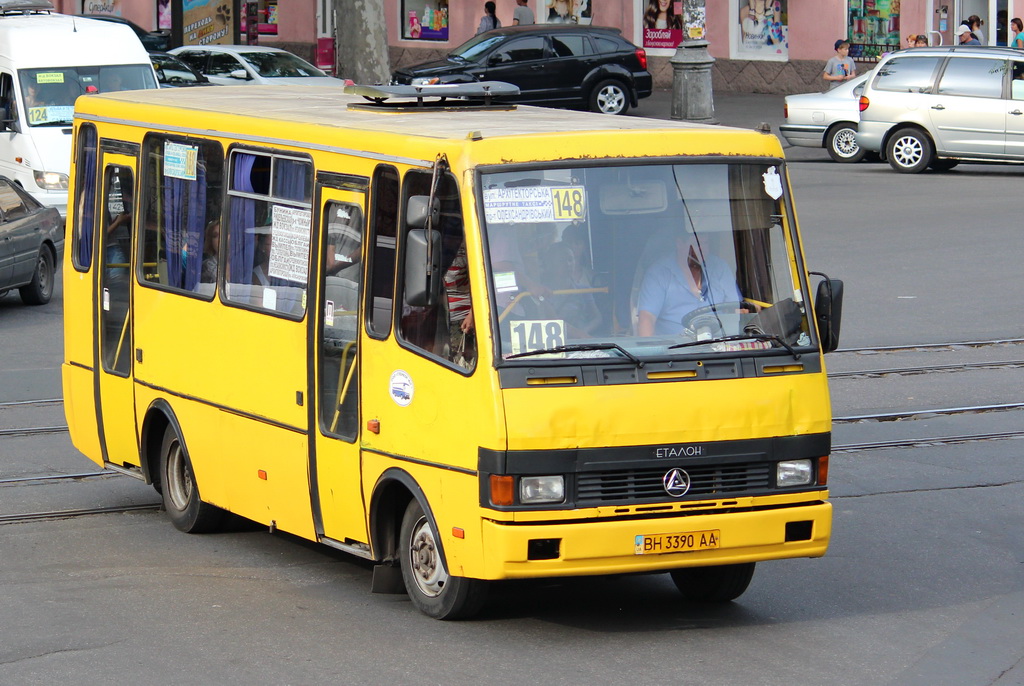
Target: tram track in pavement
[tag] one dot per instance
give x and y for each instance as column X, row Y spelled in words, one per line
column 22, row 518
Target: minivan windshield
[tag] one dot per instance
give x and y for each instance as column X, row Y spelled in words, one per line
column 50, row 93
column 644, row 261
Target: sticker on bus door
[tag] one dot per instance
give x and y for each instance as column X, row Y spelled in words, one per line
column 401, row 387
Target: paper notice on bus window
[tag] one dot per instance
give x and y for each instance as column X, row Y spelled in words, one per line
column 289, row 248
column 180, row 160
column 50, row 77
column 529, row 204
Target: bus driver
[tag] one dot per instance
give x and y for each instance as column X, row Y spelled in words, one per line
column 678, row 284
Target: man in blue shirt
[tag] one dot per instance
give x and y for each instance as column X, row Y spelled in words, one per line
column 678, row 284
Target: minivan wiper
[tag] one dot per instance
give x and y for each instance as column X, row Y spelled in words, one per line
column 580, row 347
column 741, row 337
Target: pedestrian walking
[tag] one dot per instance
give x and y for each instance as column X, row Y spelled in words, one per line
column 490, row 19
column 522, row 15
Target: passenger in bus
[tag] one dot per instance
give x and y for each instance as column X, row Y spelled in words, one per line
column 678, row 284
column 261, row 262
column 119, row 238
column 211, row 249
column 461, row 332
column 575, row 236
column 577, row 310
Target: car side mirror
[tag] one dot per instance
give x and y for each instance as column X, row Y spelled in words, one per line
column 828, row 311
column 422, row 267
column 239, row 74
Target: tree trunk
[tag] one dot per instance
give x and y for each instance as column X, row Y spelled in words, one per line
column 361, row 38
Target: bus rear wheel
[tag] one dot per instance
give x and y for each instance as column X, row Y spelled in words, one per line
column 180, row 493
column 431, row 589
column 718, row 584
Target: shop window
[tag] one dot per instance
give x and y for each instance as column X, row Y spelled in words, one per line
column 425, row 20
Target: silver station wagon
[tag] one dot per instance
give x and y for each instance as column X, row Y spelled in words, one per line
column 936, row 107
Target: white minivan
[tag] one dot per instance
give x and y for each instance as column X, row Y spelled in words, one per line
column 47, row 60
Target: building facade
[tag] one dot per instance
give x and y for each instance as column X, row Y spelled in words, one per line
column 767, row 46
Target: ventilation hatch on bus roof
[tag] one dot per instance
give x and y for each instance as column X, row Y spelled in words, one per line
column 24, row 6
column 442, row 96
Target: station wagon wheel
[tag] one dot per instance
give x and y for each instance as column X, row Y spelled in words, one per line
column 180, row 492
column 909, row 151
column 841, row 143
column 718, row 584
column 40, row 289
column 431, row 589
column 609, row 97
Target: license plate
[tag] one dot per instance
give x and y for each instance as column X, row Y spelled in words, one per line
column 676, row 543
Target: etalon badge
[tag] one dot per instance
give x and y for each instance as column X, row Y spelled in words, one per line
column 676, row 482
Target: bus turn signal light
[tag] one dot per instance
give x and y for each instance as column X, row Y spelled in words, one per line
column 502, row 490
column 823, row 471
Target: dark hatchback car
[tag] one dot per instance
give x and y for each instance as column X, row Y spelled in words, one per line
column 173, row 73
column 151, row 40
column 557, row 65
column 31, row 239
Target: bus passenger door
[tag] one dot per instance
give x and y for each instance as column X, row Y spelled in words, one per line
column 114, row 383
column 335, row 467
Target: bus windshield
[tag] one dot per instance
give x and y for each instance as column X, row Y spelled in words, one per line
column 50, row 93
column 645, row 261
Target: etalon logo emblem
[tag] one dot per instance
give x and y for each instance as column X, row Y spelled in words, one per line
column 676, row 482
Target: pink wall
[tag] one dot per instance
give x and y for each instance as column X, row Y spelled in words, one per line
column 814, row 26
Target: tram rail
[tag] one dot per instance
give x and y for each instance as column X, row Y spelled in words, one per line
column 71, row 514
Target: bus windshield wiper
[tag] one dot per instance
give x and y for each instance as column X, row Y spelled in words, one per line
column 581, row 347
column 756, row 336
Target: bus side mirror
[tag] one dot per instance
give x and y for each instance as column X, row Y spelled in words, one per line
column 422, row 267
column 828, row 310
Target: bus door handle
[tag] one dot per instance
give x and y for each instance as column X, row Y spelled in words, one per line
column 1016, row 112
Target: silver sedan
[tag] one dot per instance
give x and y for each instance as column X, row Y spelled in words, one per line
column 827, row 120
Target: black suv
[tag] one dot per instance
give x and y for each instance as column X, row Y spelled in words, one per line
column 563, row 66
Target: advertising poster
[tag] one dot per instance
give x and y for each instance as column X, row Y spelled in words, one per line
column 663, row 24
column 763, row 27
column 207, row 21
column 565, row 12
column 425, row 20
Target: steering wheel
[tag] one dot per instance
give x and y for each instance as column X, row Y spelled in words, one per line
column 706, row 321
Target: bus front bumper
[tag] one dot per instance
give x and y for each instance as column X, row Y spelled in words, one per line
column 592, row 547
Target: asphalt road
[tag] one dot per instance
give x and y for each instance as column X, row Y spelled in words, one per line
column 923, row 583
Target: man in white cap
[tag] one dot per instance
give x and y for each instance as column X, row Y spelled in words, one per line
column 963, row 32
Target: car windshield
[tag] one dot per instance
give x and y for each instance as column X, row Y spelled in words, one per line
column 274, row 65
column 172, row 71
column 50, row 93
column 641, row 262
column 472, row 49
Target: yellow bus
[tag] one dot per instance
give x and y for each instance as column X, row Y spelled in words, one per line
column 466, row 341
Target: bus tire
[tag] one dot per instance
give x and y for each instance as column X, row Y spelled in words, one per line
column 40, row 289
column 719, row 584
column 430, row 588
column 180, row 492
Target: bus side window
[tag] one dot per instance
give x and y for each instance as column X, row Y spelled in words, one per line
column 181, row 190
column 85, row 198
column 268, row 206
column 383, row 230
column 445, row 328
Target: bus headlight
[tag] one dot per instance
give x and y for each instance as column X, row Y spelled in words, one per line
column 51, row 181
column 794, row 473
column 541, row 489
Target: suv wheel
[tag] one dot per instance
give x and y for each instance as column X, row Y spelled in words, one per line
column 841, row 143
column 609, row 97
column 909, row 151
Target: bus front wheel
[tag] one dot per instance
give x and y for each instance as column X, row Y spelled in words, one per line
column 431, row 589
column 718, row 584
column 180, row 492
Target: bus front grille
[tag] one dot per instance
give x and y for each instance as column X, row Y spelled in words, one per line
column 643, row 485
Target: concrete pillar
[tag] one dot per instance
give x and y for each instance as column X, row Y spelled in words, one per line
column 692, row 98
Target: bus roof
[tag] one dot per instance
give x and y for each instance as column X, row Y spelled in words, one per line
column 301, row 113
